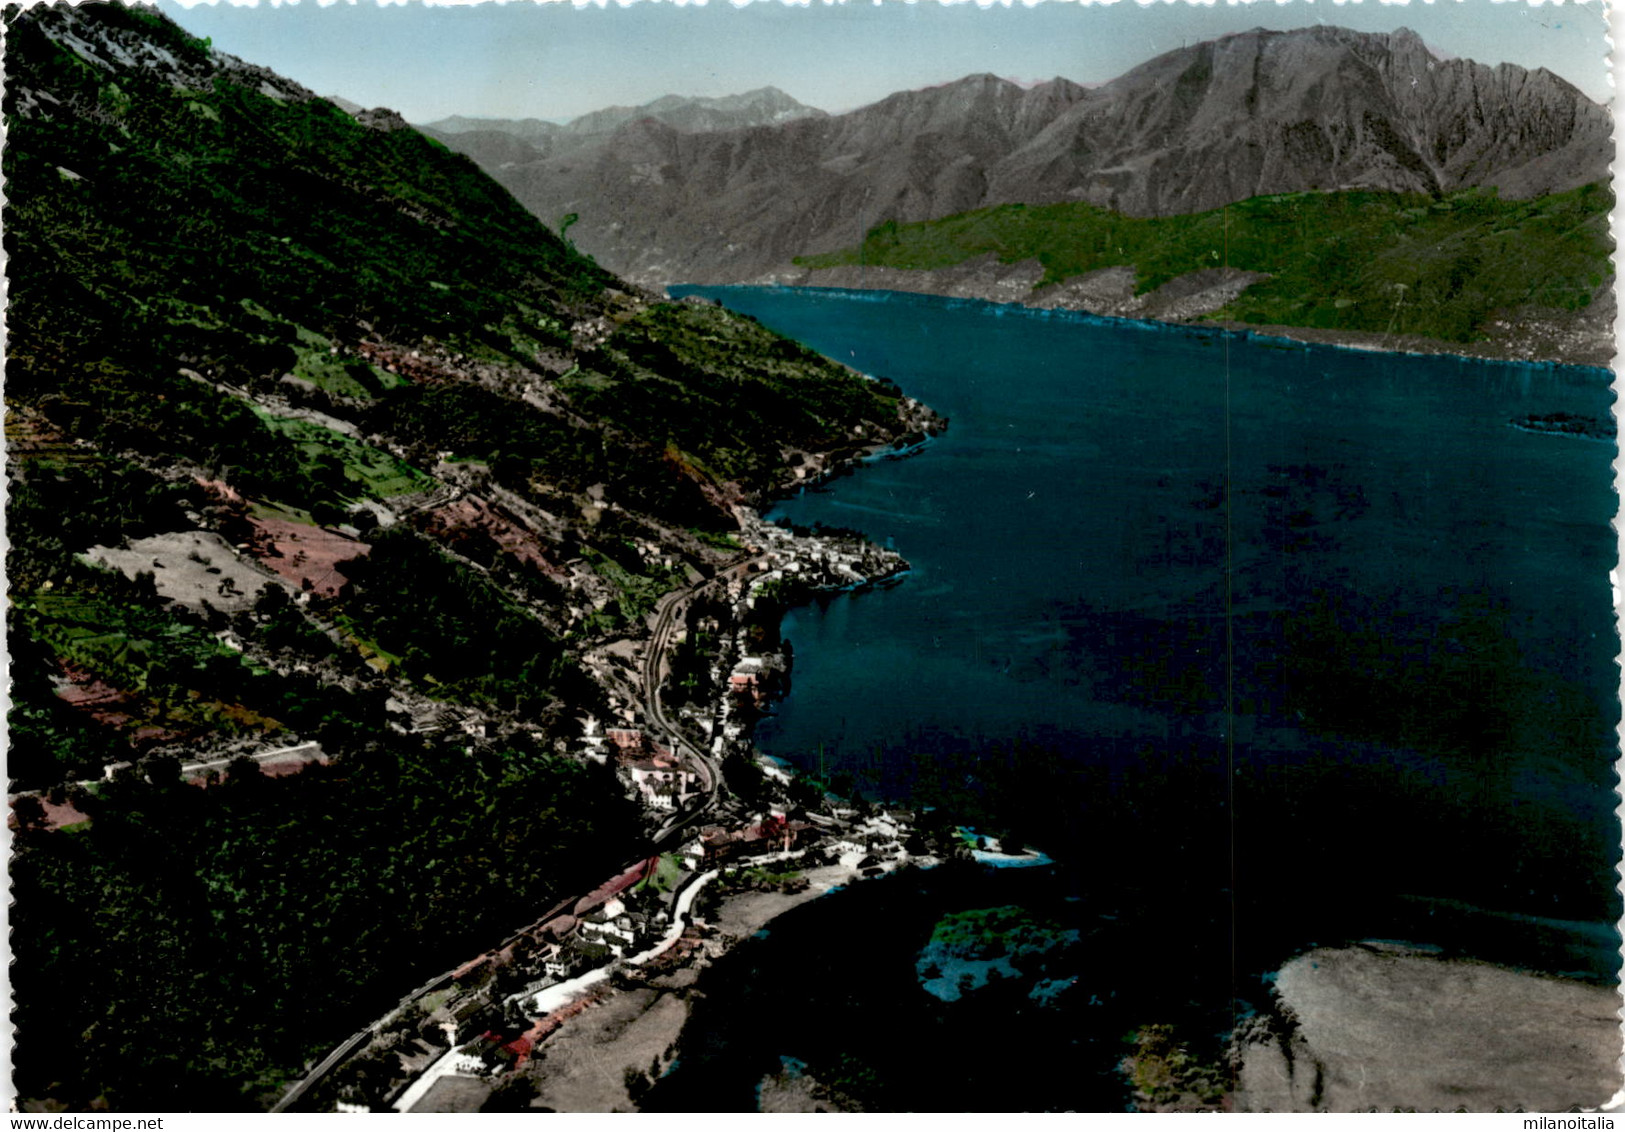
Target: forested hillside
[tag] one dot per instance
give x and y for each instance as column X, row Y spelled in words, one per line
column 319, row 443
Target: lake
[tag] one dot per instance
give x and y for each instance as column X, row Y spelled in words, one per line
column 1267, row 644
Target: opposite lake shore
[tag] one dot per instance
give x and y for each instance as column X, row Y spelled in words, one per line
column 1578, row 338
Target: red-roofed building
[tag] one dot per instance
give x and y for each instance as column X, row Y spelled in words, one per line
column 615, row 886
column 293, row 762
column 517, row 1051
column 628, row 741
column 54, row 815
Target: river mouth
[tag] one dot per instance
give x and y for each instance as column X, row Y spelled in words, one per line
column 1271, row 647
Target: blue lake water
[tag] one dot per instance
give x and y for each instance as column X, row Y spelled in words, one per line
column 1306, row 642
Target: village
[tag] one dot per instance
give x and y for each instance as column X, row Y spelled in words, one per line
column 450, row 1044
column 491, row 1016
column 718, row 819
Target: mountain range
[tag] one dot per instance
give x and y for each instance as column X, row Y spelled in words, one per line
column 491, row 140
column 667, row 197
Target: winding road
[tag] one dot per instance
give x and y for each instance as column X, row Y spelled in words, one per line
column 668, row 618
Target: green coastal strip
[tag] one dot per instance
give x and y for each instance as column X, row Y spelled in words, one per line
column 1407, row 264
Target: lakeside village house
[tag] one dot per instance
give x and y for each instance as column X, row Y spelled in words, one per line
column 651, row 771
column 496, row 993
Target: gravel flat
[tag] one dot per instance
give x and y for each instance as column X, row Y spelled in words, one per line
column 1381, row 1028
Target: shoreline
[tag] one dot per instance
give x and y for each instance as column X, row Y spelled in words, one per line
column 814, row 563
column 1595, row 358
column 611, row 1037
column 636, row 1018
column 633, row 1010
column 1341, row 1033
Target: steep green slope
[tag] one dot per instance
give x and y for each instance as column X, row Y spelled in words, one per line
column 162, row 202
column 219, row 219
column 368, row 446
column 1405, row 264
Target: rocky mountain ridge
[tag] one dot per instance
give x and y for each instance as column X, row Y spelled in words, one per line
column 1255, row 113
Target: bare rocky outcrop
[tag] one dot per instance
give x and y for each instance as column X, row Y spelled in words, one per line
column 1109, row 291
column 185, row 62
column 1318, row 109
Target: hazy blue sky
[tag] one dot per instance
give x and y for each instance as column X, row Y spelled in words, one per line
column 555, row 60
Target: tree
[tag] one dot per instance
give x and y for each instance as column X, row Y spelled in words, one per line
column 327, row 514
column 805, row 793
column 212, row 618
column 164, row 770
column 243, row 769
column 272, row 600
column 514, row 1094
column 30, row 813
column 745, row 779
column 637, row 1083
column 843, row 785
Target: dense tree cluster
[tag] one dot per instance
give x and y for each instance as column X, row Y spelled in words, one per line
column 450, row 627
column 191, row 946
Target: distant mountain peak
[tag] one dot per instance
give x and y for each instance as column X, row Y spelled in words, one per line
column 1253, row 113
column 764, row 106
